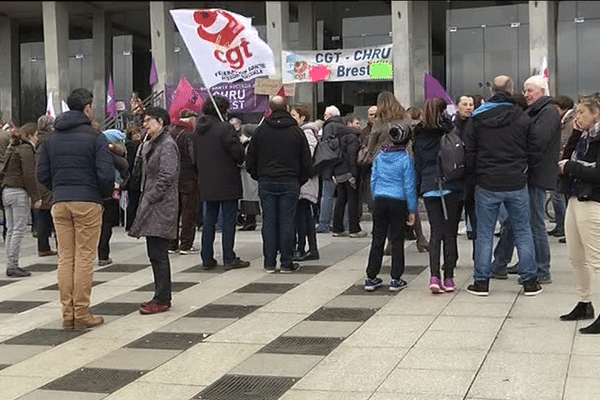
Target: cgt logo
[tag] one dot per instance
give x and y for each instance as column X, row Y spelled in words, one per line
column 222, row 29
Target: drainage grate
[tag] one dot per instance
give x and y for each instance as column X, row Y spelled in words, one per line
column 41, row 267
column 312, row 269
column 316, row 346
column 55, row 286
column 175, row 287
column 44, row 337
column 15, row 307
column 123, row 268
column 198, row 268
column 114, row 308
column 259, row 287
column 222, row 311
column 95, row 380
column 168, row 341
column 245, row 387
column 341, row 314
column 2, row 366
column 4, row 283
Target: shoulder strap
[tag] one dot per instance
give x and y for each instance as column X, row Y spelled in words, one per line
column 9, row 152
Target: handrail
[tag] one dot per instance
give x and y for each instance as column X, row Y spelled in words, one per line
column 110, row 122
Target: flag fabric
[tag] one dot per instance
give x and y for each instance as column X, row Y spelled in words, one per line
column 50, row 106
column 281, row 93
column 64, row 106
column 433, row 88
column 544, row 73
column 184, row 98
column 153, row 73
column 224, row 46
column 111, row 103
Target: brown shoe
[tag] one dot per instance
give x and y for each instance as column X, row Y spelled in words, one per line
column 145, row 303
column 47, row 253
column 68, row 324
column 88, row 322
column 154, row 308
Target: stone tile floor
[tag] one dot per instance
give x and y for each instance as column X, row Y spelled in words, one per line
column 311, row 335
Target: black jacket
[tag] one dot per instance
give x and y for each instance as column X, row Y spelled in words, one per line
column 545, row 131
column 279, row 150
column 183, row 138
column 499, row 146
column 588, row 187
column 331, row 125
column 350, row 143
column 219, row 154
column 426, row 149
column 75, row 162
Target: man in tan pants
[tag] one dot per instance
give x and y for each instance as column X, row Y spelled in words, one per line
column 76, row 165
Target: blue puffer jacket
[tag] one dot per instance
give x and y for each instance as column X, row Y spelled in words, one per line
column 75, row 162
column 393, row 176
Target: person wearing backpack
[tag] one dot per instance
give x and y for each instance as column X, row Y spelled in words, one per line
column 441, row 192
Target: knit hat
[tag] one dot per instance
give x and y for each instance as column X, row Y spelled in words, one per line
column 114, row 136
column 399, row 134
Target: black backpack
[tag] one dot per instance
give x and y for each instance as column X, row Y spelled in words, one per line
column 328, row 153
column 451, row 157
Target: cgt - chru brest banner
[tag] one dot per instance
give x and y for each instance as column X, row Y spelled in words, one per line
column 224, row 46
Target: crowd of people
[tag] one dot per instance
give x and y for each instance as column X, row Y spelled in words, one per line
column 493, row 161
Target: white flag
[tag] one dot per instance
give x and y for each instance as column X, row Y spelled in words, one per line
column 64, row 105
column 544, row 72
column 50, row 106
column 224, row 46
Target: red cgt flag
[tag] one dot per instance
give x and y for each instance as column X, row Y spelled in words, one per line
column 184, row 98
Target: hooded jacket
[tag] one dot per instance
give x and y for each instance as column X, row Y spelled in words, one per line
column 546, row 136
column 393, row 177
column 75, row 162
column 310, row 190
column 279, row 150
column 219, row 154
column 499, row 145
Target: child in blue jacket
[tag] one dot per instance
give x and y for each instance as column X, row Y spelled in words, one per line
column 394, row 201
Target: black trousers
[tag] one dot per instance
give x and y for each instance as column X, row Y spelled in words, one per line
column 388, row 215
column 443, row 230
column 132, row 205
column 158, row 254
column 44, row 228
column 103, row 244
column 346, row 194
column 305, row 227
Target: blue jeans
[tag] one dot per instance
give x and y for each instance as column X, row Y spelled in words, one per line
column 229, row 213
column 537, row 199
column 559, row 204
column 279, row 200
column 488, row 206
column 326, row 211
column 16, row 210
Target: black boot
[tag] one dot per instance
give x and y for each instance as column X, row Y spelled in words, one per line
column 313, row 249
column 593, row 328
column 581, row 311
column 249, row 223
column 16, row 272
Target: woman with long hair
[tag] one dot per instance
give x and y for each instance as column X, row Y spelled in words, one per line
column 19, row 192
column 435, row 190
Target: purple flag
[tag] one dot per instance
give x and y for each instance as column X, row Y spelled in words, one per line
column 111, row 103
column 153, row 74
column 434, row 89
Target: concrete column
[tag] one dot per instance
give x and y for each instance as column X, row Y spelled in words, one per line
column 411, row 38
column 542, row 38
column 306, row 92
column 162, row 30
column 278, row 20
column 102, row 45
column 10, row 94
column 56, row 44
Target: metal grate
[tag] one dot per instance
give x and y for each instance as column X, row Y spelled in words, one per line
column 359, row 290
column 95, row 380
column 316, row 346
column 198, row 268
column 44, row 337
column 4, row 283
column 114, row 308
column 341, row 314
column 222, row 311
column 312, row 269
column 123, row 268
column 41, row 267
column 15, row 307
column 259, row 287
column 245, row 387
column 55, row 286
column 175, row 287
column 168, row 341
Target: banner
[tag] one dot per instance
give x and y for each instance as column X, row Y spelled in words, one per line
column 50, row 105
column 224, row 46
column 367, row 63
column 241, row 96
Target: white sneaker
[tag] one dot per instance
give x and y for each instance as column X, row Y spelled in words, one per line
column 191, row 250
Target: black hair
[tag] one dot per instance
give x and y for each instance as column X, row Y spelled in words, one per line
column 157, row 112
column 79, row 98
column 222, row 103
column 564, row 102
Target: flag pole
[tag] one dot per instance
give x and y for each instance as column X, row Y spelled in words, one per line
column 215, row 104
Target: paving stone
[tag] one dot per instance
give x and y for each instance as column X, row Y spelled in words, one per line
column 198, row 269
column 359, row 290
column 15, row 306
column 335, row 329
column 114, row 308
column 15, row 353
column 41, row 394
column 311, row 269
column 134, row 359
column 244, row 387
column 258, row 287
column 175, row 286
column 195, row 325
column 249, row 299
column 44, row 337
column 55, row 286
column 318, row 346
column 129, row 268
column 96, row 380
column 168, row 341
column 39, row 267
column 222, row 311
column 279, row 365
column 357, row 301
column 341, row 314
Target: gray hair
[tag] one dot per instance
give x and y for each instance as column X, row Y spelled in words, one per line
column 333, row 111
column 537, row 81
